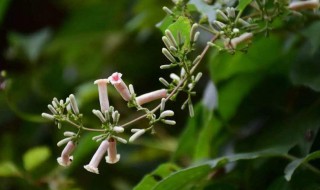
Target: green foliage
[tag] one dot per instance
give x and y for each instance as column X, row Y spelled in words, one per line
column 263, row 133
column 35, row 157
column 150, row 180
column 8, row 169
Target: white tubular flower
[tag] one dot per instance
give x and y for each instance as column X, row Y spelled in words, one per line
column 103, row 94
column 136, row 135
column 112, row 157
column 300, row 5
column 93, row 165
column 65, row 159
column 242, row 38
column 121, row 87
column 148, row 97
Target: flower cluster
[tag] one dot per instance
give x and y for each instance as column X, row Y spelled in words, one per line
column 230, row 27
column 68, row 112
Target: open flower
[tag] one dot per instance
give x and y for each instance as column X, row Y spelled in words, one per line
column 112, row 157
column 148, row 97
column 65, row 159
column 95, row 160
column 103, row 94
column 121, row 87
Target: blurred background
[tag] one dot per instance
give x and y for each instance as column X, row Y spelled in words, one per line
column 55, row 48
column 268, row 97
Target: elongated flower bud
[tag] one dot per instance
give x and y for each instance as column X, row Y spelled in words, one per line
column 118, row 129
column 162, row 105
column 121, row 87
column 196, row 60
column 166, row 42
column 137, row 135
column 47, row 116
column 196, row 36
column 168, row 55
column 124, row 141
column 95, row 160
column 167, row 10
column 242, row 38
column 68, row 105
column 99, row 115
column 193, row 30
column 166, row 113
column 112, row 157
column 65, row 159
column 164, row 82
column 174, row 77
column 231, row 12
column 74, row 104
column 64, row 141
column 301, row 5
column 135, row 130
column 69, row 134
column 103, row 94
column 169, row 122
column 171, row 37
column 222, row 15
column 131, row 89
column 219, row 24
column 51, row 108
column 148, row 97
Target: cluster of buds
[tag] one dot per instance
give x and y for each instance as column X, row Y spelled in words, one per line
column 230, row 28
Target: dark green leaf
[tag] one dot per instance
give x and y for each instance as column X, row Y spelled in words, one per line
column 3, row 8
column 243, row 4
column 183, row 178
column 150, row 180
column 292, row 166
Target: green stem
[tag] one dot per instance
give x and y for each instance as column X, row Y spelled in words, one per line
column 83, row 128
column 306, row 164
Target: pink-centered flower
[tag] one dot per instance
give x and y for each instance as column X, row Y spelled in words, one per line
column 112, row 157
column 65, row 159
column 95, row 160
column 148, row 97
column 103, row 94
column 121, row 87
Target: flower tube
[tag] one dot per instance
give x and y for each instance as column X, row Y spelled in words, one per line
column 93, row 165
column 103, row 94
column 112, row 157
column 148, row 97
column 121, row 87
column 65, row 159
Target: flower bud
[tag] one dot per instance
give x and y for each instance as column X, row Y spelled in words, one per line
column 137, row 135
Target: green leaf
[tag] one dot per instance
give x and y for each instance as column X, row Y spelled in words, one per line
column 229, row 101
column 243, row 4
column 9, row 169
column 157, row 175
column 182, row 26
column 183, row 178
column 224, row 65
column 35, row 157
column 292, row 166
column 193, row 176
column 186, row 146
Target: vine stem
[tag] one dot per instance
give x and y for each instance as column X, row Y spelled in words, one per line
column 306, row 164
column 203, row 53
column 82, row 127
